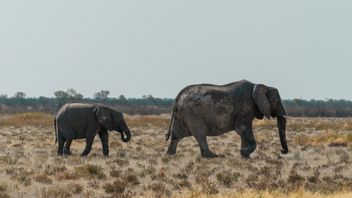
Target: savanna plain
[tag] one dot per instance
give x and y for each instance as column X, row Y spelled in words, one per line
column 319, row 163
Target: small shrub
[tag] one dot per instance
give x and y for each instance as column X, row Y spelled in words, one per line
column 147, row 171
column 118, row 187
column 159, row 189
column 183, row 184
column 90, row 171
column 75, row 188
column 3, row 187
column 57, row 191
column 52, row 170
column 43, row 179
column 131, row 178
column 67, row 175
column 114, row 172
column 227, row 178
column 209, row 187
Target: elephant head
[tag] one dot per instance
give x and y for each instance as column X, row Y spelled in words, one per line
column 113, row 121
column 269, row 104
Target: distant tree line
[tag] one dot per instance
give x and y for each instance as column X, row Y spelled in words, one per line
column 318, row 108
column 149, row 105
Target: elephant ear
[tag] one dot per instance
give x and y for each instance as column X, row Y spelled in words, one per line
column 261, row 99
column 277, row 107
column 104, row 117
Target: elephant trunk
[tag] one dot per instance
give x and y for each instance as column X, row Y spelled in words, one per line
column 128, row 135
column 281, row 124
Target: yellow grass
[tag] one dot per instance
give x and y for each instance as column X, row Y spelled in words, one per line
column 324, row 124
column 37, row 119
column 335, row 130
column 267, row 194
column 326, row 138
column 140, row 168
column 147, row 121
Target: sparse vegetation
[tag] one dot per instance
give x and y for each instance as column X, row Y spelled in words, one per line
column 318, row 164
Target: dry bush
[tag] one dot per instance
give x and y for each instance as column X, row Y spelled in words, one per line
column 117, row 187
column 55, row 192
column 75, row 188
column 90, row 171
column 61, row 191
column 3, row 187
column 67, row 175
column 21, row 175
column 159, row 189
column 227, row 178
column 37, row 119
column 209, row 187
column 114, row 172
column 44, row 179
column 131, row 178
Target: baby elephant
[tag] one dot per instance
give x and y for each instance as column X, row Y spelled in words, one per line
column 79, row 121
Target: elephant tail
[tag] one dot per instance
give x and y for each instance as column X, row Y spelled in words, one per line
column 55, row 130
column 168, row 134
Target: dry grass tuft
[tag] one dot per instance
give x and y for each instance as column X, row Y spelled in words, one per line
column 3, row 189
column 37, row 119
column 90, row 171
column 117, row 187
column 44, row 179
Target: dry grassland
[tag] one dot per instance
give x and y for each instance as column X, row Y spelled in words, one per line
column 319, row 163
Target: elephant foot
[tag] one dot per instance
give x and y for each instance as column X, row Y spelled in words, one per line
column 170, row 152
column 245, row 154
column 209, row 154
column 246, row 151
column 84, row 155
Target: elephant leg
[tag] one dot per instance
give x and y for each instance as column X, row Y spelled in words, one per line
column 67, row 147
column 104, row 138
column 199, row 130
column 61, row 142
column 204, row 148
column 89, row 142
column 173, row 146
column 248, row 143
column 177, row 133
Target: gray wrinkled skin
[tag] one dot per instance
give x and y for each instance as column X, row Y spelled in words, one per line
column 210, row 110
column 84, row 121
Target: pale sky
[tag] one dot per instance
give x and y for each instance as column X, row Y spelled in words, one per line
column 157, row 47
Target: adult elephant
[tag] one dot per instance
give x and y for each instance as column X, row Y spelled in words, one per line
column 211, row 110
column 79, row 121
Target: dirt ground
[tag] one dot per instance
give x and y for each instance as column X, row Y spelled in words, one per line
column 320, row 160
